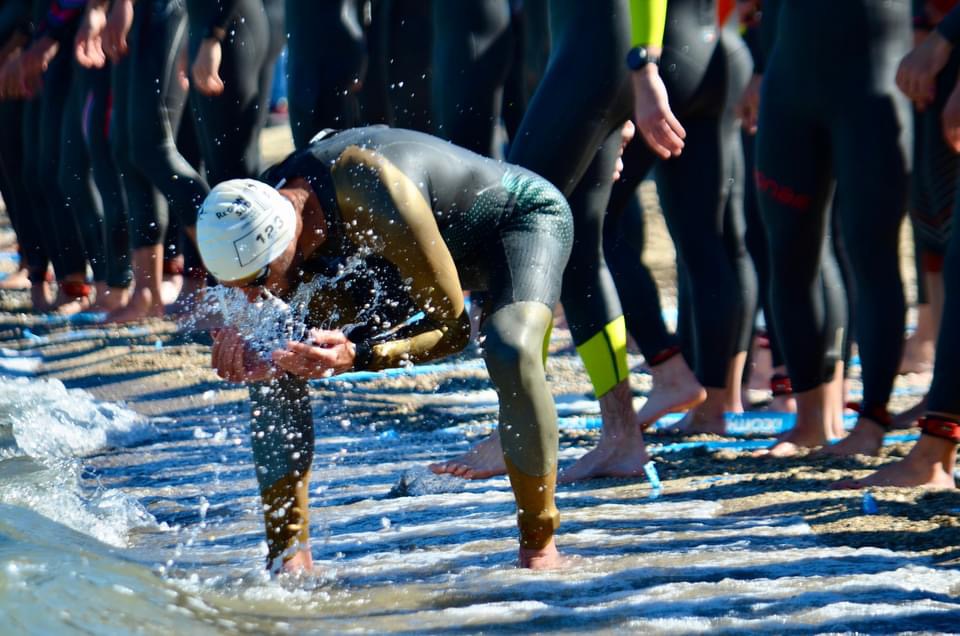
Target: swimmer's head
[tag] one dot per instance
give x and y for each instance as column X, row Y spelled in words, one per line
column 243, row 225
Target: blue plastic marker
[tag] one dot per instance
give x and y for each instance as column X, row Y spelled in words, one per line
column 651, row 470
column 869, row 504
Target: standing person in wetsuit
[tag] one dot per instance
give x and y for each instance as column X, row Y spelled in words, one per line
column 579, row 107
column 705, row 68
column 145, row 41
column 932, row 461
column 833, row 110
column 428, row 219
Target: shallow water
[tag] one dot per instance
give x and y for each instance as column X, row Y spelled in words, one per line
column 113, row 523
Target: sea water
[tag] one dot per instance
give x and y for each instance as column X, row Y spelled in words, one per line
column 111, row 522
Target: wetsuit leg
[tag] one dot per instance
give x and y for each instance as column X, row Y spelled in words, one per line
column 76, row 177
column 793, row 180
column 872, row 178
column 15, row 195
column 528, row 263
column 589, row 297
column 282, row 440
column 472, row 50
column 944, row 396
column 623, row 246
column 97, row 123
column 59, row 221
column 37, row 243
column 409, row 71
column 229, row 124
column 326, row 65
column 934, row 183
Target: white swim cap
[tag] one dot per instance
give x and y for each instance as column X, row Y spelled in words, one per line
column 243, row 225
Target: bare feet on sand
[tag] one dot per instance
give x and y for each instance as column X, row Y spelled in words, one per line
column 813, row 427
column 866, row 438
column 110, row 298
column 482, row 461
column 675, row 388
column 930, row 464
column 140, row 307
column 546, row 558
column 621, row 451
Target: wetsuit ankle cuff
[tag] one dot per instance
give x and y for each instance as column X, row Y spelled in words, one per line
column 876, row 414
column 940, row 427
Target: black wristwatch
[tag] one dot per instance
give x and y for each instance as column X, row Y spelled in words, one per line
column 640, row 56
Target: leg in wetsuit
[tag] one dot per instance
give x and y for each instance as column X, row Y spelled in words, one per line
column 148, row 103
column 836, row 101
column 229, row 124
column 472, row 50
column 326, row 65
column 705, row 71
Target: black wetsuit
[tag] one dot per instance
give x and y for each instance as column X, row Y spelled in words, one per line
column 571, row 136
column 473, row 47
column 705, row 70
column 229, row 124
column 148, row 103
column 429, row 219
column 832, row 110
column 327, row 62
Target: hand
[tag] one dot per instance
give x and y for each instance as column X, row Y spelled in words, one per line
column 235, row 361
column 117, row 29
column 951, row 119
column 657, row 123
column 10, row 79
column 917, row 74
column 328, row 354
column 627, row 133
column 88, row 45
column 748, row 108
column 206, row 68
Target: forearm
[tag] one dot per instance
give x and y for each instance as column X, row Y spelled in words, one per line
column 424, row 341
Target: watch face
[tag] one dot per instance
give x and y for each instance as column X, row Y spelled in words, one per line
column 637, row 58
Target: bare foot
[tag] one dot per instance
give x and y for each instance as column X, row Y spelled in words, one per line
column 918, row 353
column 40, row 297
column 170, row 288
column 792, row 443
column 675, row 388
column 482, row 461
column 908, row 418
column 614, row 456
column 299, row 563
column 110, row 298
column 930, row 464
column 782, row 404
column 140, row 307
column 866, row 438
column 71, row 305
column 18, row 280
column 546, row 558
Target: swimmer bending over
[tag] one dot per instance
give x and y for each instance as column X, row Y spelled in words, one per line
column 429, row 219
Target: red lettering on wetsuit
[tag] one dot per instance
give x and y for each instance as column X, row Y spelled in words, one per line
column 782, row 194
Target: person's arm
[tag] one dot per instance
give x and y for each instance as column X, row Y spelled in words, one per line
column 384, row 210
column 117, row 30
column 917, row 73
column 382, row 205
column 657, row 124
column 213, row 18
column 88, row 44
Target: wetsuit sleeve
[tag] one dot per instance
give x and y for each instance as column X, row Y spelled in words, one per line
column 648, row 19
column 61, row 18
column 949, row 27
column 383, row 210
column 213, row 17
